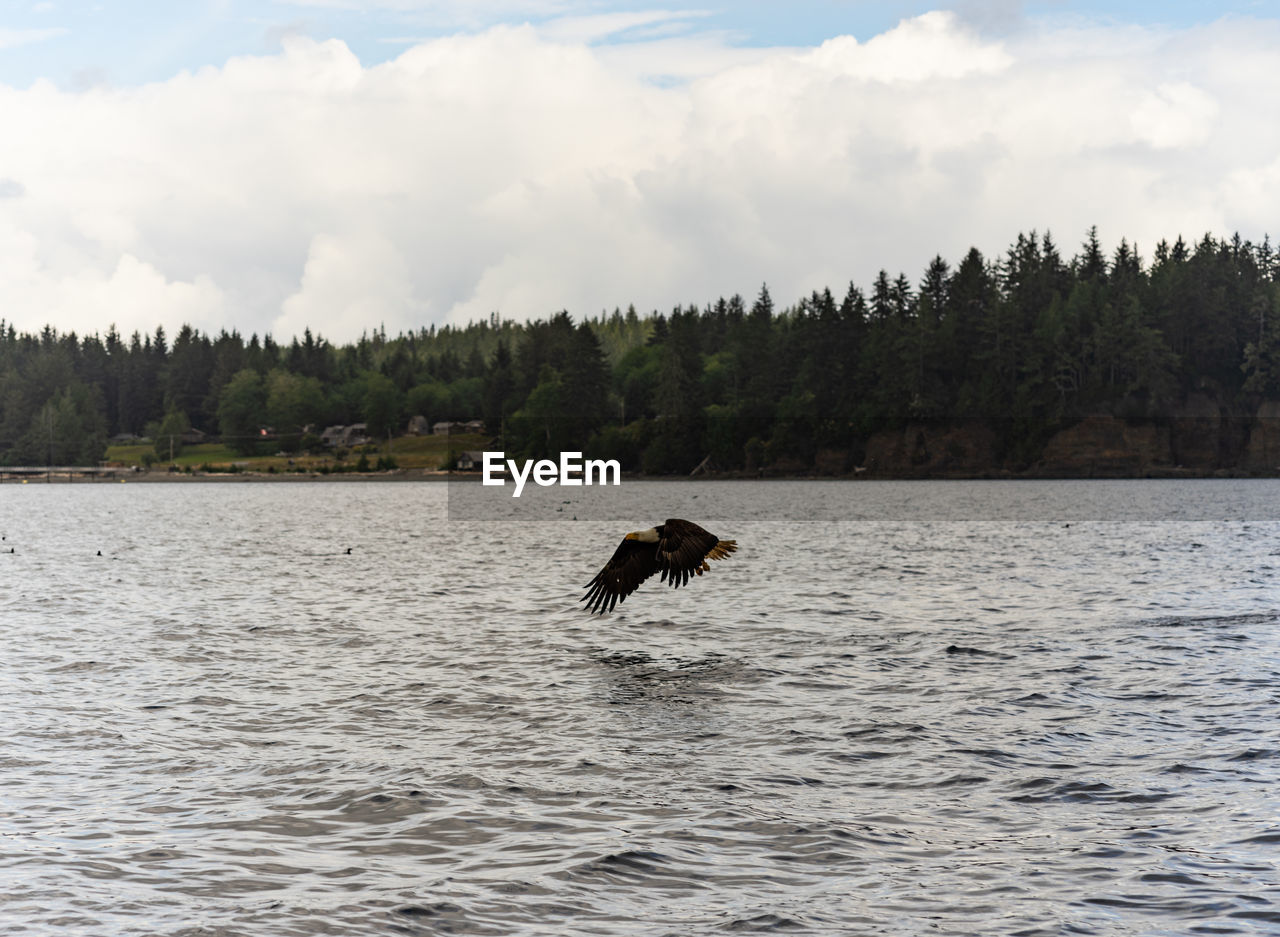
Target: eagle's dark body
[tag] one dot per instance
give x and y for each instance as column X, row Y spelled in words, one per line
column 678, row 549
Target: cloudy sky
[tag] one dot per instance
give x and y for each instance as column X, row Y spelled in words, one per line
column 354, row 164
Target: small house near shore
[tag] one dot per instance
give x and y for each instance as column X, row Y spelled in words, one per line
column 357, row 434
column 445, row 427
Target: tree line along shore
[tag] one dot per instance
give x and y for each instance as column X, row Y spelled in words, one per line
column 1029, row 363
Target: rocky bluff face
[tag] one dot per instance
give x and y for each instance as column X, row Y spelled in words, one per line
column 1199, row 437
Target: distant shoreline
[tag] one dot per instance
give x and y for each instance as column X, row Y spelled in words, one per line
column 151, row 478
column 435, row 475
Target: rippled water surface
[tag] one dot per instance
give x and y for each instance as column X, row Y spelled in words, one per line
column 226, row 724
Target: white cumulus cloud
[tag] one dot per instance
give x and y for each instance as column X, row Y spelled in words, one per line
column 520, row 171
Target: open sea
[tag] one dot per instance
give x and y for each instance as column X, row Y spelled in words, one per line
column 1015, row 708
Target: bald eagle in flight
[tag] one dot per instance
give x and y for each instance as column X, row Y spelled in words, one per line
column 679, row 548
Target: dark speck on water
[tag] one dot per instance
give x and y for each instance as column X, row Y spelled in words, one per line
column 889, row 726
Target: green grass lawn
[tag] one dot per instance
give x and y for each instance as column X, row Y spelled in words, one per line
column 411, row 452
column 432, row 451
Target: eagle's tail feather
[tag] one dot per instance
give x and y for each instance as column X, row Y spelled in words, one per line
column 722, row 549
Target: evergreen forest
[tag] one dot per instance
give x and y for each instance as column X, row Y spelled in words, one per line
column 1026, row 344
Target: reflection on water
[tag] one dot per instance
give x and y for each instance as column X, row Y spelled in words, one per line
column 227, row 724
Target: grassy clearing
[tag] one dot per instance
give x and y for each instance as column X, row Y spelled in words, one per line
column 409, row 452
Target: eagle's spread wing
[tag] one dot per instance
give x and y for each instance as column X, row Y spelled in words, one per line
column 685, row 548
column 631, row 564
